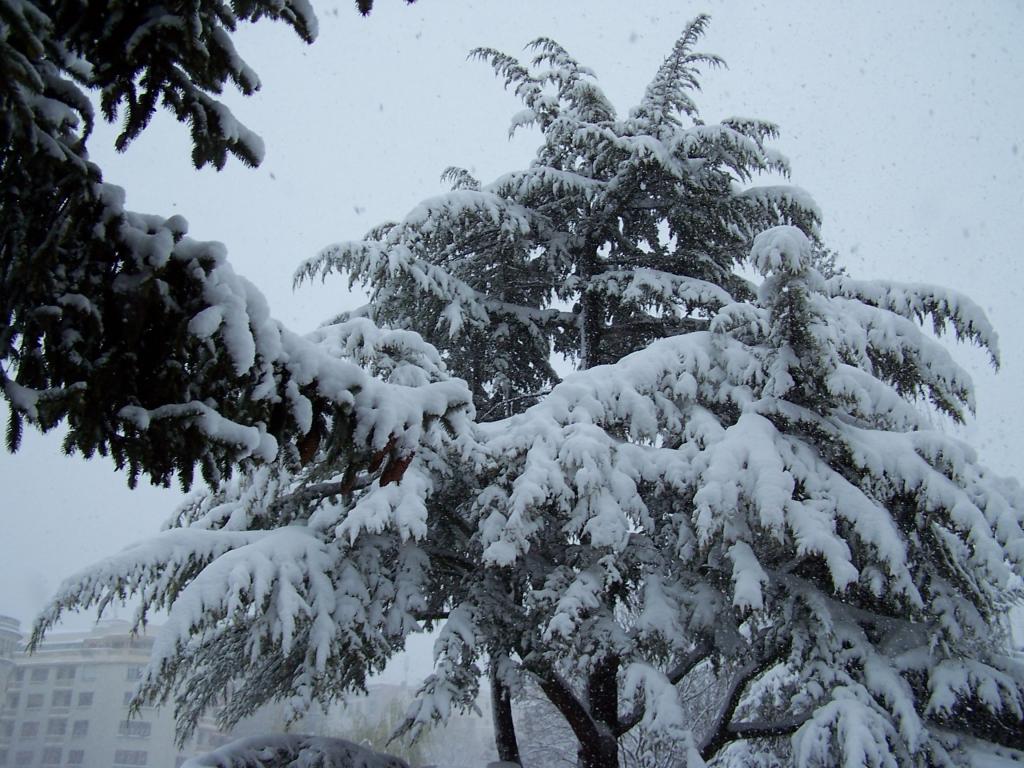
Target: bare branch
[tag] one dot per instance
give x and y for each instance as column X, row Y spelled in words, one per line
column 766, row 729
column 559, row 693
column 511, row 400
column 686, row 665
column 721, row 733
column 309, row 493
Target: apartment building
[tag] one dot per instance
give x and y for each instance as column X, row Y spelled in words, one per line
column 10, row 642
column 67, row 704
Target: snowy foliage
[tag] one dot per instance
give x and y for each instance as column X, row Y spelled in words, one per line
column 766, row 495
column 142, row 340
column 746, row 481
column 294, row 752
column 305, row 561
column 769, row 489
column 636, row 224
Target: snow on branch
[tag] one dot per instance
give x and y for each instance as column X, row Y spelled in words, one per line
column 294, row 751
column 669, row 91
column 574, row 83
column 655, row 288
column 454, row 683
column 527, row 87
column 918, row 302
column 304, row 575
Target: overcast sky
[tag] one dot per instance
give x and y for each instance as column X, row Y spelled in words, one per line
column 903, row 120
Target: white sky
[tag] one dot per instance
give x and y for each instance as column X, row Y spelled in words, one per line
column 902, row 119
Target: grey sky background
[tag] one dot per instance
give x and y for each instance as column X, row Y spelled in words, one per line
column 903, row 120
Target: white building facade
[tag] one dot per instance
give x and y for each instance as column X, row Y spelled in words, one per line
column 67, row 704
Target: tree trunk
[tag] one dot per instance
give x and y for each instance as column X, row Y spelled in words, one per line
column 595, row 722
column 603, row 752
column 603, row 692
column 603, row 702
column 501, row 712
column 590, row 331
column 591, row 317
column 598, row 744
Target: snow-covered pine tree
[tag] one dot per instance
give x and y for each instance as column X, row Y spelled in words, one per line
column 144, row 342
column 621, row 231
column 768, row 497
column 764, row 497
column 767, row 502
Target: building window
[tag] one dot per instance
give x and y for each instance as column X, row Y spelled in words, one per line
column 61, row 698
column 133, row 673
column 85, row 699
column 12, row 700
column 23, row 758
column 135, row 729
column 29, row 729
column 3, row 757
column 57, row 726
column 131, row 757
column 35, row 701
column 51, row 756
column 6, row 729
column 65, row 673
column 88, row 673
column 76, row 756
column 39, row 674
column 80, row 728
column 19, row 675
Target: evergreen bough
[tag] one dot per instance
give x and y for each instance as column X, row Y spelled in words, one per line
column 142, row 341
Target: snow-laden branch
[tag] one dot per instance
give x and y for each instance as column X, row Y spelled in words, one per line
column 294, row 751
column 304, row 575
